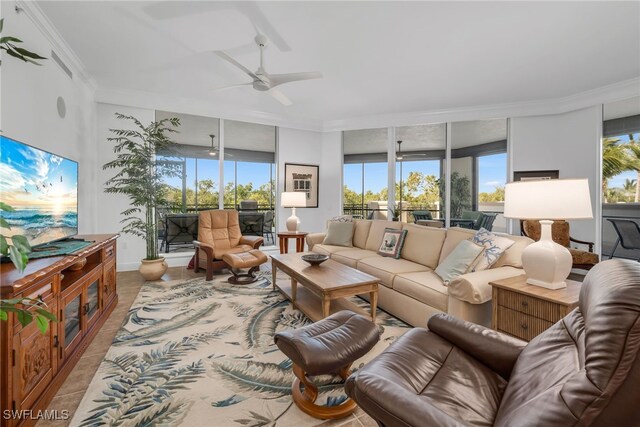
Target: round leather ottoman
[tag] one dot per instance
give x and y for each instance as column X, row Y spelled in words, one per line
column 244, row 260
column 328, row 346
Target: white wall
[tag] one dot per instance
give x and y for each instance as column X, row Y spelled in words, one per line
column 568, row 142
column 131, row 249
column 313, row 148
column 29, row 113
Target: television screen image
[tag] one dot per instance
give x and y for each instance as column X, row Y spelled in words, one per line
column 42, row 189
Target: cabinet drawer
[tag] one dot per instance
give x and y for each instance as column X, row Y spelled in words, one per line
column 109, row 252
column 525, row 304
column 520, row 325
column 44, row 292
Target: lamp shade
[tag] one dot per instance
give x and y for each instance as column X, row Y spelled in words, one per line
column 293, row 199
column 548, row 199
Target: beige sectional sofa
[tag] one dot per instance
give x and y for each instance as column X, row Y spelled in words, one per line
column 410, row 289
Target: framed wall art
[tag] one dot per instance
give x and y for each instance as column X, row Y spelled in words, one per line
column 303, row 178
column 535, row 175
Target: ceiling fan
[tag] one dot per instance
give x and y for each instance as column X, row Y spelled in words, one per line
column 402, row 156
column 263, row 81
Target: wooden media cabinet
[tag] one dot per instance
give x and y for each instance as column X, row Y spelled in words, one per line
column 33, row 366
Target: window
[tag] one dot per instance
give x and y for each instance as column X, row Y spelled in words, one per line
column 197, row 186
column 249, row 165
column 365, row 173
column 479, row 172
column 620, row 174
column 420, row 154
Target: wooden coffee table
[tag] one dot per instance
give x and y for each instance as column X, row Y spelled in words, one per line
column 324, row 287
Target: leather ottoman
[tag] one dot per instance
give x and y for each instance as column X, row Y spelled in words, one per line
column 328, row 346
column 243, row 260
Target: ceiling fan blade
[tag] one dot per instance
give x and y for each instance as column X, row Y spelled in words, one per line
column 280, row 97
column 278, row 79
column 219, row 89
column 232, row 61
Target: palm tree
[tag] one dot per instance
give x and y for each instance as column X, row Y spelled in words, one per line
column 634, row 162
column 615, row 160
column 630, row 186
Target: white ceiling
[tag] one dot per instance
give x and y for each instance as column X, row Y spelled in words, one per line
column 377, row 57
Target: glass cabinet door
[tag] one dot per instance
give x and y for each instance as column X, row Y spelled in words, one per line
column 72, row 320
column 93, row 298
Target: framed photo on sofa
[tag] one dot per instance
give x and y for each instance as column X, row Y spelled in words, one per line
column 303, row 178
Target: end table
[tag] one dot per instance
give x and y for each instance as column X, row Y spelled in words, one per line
column 525, row 311
column 284, row 237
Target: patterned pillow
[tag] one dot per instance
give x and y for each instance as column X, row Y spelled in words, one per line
column 392, row 242
column 342, row 218
column 494, row 248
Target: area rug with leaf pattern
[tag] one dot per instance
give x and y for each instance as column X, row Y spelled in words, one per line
column 199, row 353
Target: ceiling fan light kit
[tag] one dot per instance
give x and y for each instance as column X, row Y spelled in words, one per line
column 263, row 81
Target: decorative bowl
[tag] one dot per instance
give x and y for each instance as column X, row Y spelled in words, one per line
column 315, row 259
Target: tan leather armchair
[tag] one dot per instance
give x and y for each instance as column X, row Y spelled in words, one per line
column 219, row 234
column 582, row 371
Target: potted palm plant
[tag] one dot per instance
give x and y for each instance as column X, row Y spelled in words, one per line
column 140, row 175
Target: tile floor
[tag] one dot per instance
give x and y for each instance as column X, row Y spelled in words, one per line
column 129, row 283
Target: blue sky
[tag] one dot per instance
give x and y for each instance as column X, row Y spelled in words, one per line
column 34, row 178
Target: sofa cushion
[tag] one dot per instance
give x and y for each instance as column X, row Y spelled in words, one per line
column 361, row 233
column 455, row 235
column 328, row 249
column 351, row 256
column 376, row 231
column 339, row 233
column 512, row 257
column 386, row 268
column 423, row 244
column 425, row 286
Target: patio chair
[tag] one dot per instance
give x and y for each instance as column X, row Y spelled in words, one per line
column 248, row 205
column 421, row 215
column 487, row 220
column 267, row 228
column 628, row 234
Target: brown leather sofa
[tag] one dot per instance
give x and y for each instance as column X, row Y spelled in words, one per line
column 583, row 371
column 219, row 234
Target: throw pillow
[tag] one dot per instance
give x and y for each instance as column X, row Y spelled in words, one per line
column 459, row 261
column 494, row 247
column 392, row 242
column 339, row 234
column 342, row 218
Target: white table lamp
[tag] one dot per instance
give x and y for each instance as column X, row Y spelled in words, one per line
column 293, row 200
column 545, row 262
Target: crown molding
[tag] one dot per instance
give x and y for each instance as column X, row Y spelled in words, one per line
column 614, row 92
column 156, row 101
column 44, row 25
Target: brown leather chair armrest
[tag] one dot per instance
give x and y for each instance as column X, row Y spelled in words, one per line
column 254, row 241
column 494, row 349
column 392, row 405
column 209, row 250
column 582, row 242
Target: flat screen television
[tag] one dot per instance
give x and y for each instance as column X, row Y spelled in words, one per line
column 42, row 189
